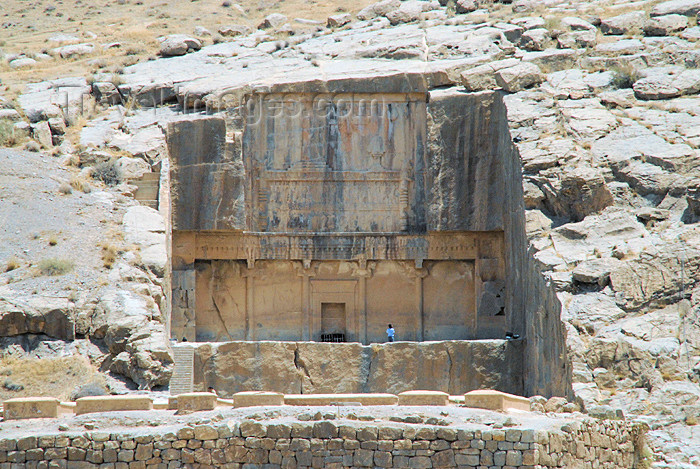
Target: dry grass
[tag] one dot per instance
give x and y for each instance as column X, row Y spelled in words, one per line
column 80, row 184
column 135, row 25
column 12, row 264
column 55, row 266
column 55, row 377
column 109, row 254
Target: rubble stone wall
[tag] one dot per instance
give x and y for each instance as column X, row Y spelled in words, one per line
column 330, row 444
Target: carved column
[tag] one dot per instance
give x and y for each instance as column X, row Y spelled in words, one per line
column 306, row 272
column 420, row 273
column 249, row 274
column 363, row 271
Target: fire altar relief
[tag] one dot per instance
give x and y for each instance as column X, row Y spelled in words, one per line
column 335, row 244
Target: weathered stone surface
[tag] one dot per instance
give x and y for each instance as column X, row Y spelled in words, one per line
column 495, row 400
column 90, row 404
column 36, row 315
column 664, row 25
column 668, row 86
column 519, row 77
column 535, row 39
column 196, row 401
column 380, row 8
column 578, row 194
column 423, row 398
column 42, row 134
column 595, row 270
column 199, row 154
column 622, row 24
column 293, row 368
column 30, row 408
column 677, row 7
column 483, row 77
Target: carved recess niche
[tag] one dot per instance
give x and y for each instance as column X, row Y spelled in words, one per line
column 319, row 163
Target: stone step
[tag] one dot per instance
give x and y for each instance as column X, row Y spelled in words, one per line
column 182, row 380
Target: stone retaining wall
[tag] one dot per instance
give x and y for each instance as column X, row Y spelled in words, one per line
column 331, row 444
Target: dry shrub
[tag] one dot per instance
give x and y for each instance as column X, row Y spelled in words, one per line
column 12, row 264
column 109, row 255
column 55, row 266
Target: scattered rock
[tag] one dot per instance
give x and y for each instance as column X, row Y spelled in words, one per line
column 106, row 93
column 577, row 24
column 668, row 86
column 595, row 271
column 465, row 6
column 519, row 77
column 23, row 62
column 623, row 24
column 42, row 134
column 74, row 50
column 535, row 39
column 201, row 31
column 234, row 30
column 380, row 8
column 178, row 44
column 665, row 25
column 677, row 7
column 336, row 21
column 273, row 21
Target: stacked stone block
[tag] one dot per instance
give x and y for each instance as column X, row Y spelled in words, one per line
column 330, row 444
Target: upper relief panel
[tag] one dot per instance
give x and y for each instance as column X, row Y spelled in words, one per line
column 335, row 163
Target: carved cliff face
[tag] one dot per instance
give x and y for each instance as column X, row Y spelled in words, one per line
column 360, row 210
column 335, row 163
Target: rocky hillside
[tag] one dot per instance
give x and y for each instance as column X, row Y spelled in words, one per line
column 603, row 105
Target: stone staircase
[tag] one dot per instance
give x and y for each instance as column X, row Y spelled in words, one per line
column 182, row 380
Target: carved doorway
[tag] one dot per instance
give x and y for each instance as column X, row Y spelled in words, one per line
column 334, row 318
column 333, row 322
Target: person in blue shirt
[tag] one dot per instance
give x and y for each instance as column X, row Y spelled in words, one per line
column 390, row 333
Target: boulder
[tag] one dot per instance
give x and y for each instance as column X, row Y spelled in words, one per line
column 178, row 44
column 106, row 93
column 132, row 168
column 74, row 50
column 529, row 22
column 665, row 25
column 519, row 77
column 665, row 86
column 483, row 77
column 622, row 24
column 380, row 8
column 596, row 271
column 42, row 134
column 577, row 193
column 577, row 24
column 465, row 6
column 233, row 30
column 408, row 12
column 57, row 125
column 22, row 62
column 677, row 7
column 573, row 39
column 336, row 21
column 273, row 21
column 535, row 39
